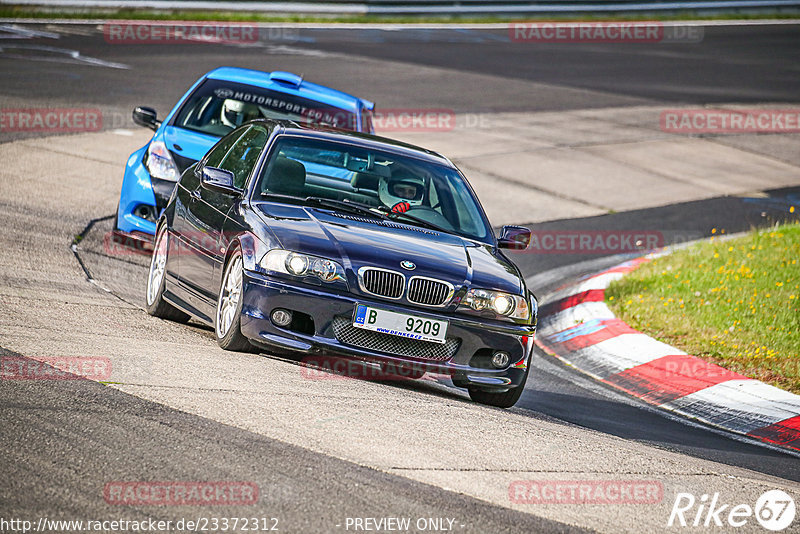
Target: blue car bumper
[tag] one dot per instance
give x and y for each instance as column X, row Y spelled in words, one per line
column 136, row 195
column 322, row 324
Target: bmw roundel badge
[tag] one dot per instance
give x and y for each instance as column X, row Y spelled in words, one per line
column 407, row 265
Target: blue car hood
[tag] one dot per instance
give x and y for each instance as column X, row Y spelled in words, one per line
column 358, row 241
column 193, row 145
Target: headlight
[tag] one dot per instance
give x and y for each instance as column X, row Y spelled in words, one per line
column 159, row 162
column 296, row 264
column 503, row 304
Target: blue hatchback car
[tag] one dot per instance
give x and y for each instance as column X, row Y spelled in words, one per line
column 219, row 102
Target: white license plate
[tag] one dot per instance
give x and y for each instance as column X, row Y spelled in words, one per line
column 400, row 324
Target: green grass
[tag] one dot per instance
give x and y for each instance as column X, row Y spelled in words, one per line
column 733, row 302
column 28, row 12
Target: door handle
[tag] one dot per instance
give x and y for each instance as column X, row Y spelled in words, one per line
column 195, row 194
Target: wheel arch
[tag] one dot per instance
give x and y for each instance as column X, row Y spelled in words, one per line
column 252, row 250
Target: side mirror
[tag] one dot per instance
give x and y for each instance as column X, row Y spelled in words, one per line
column 144, row 116
column 218, row 180
column 514, row 237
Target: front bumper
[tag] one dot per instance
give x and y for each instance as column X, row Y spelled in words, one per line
column 263, row 294
column 141, row 193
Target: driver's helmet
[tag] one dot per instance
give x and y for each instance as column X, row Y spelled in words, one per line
column 235, row 112
column 401, row 192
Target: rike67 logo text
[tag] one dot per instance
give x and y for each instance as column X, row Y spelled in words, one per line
column 774, row 510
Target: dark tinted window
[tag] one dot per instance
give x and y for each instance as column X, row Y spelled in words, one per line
column 217, row 107
column 220, row 150
column 438, row 194
column 241, row 158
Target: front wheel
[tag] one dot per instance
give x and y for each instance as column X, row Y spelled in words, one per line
column 506, row 399
column 154, row 299
column 227, row 324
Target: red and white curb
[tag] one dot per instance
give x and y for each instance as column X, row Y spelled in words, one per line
column 579, row 329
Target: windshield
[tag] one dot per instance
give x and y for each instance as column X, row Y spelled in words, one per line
column 216, row 107
column 413, row 191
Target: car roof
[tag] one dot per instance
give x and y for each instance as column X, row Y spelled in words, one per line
column 360, row 139
column 289, row 83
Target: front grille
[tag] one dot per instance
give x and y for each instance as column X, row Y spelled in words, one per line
column 388, row 284
column 348, row 334
column 429, row 292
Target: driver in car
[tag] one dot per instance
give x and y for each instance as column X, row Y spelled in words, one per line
column 401, row 193
column 234, row 113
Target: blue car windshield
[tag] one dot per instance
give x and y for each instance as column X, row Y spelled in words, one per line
column 216, row 107
column 412, row 190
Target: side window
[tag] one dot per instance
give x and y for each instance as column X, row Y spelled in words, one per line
column 466, row 214
column 220, row 150
column 241, row 158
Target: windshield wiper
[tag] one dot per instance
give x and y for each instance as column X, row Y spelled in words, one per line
column 381, row 212
column 346, row 205
column 343, row 205
column 281, row 198
column 420, row 222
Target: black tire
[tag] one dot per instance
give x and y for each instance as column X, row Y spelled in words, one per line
column 154, row 293
column 507, row 399
column 229, row 334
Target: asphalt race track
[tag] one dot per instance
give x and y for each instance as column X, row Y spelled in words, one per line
column 178, row 408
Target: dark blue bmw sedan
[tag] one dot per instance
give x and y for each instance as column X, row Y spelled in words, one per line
column 322, row 241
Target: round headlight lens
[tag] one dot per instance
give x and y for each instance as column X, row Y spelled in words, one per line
column 502, row 304
column 325, row 270
column 297, row 264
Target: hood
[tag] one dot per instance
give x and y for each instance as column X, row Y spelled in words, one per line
column 357, row 241
column 193, row 145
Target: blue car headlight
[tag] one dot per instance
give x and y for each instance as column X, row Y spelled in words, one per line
column 159, row 162
column 302, row 265
column 502, row 304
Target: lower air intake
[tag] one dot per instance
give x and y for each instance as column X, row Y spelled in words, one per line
column 347, row 334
